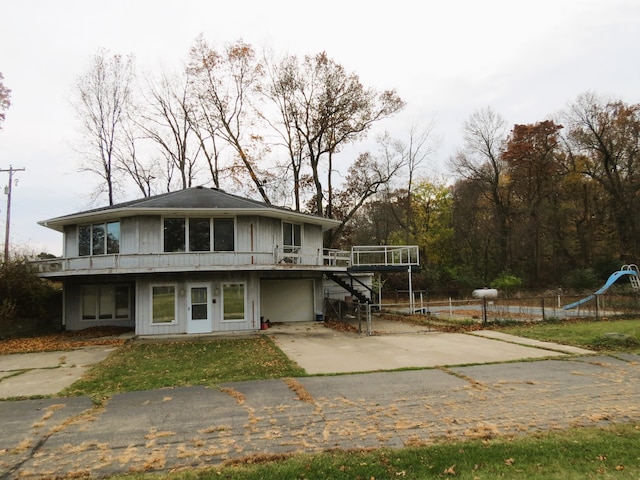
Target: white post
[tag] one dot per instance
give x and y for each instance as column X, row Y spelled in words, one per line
column 411, row 299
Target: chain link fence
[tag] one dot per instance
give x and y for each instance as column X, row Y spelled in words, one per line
column 449, row 312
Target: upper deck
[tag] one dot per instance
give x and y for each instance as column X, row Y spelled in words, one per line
column 360, row 258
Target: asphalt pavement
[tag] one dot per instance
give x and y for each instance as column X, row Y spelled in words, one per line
column 169, row 429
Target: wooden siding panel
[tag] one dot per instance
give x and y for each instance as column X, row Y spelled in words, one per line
column 143, row 308
column 149, row 233
column 70, row 239
column 129, row 242
column 182, row 282
column 312, row 237
column 243, row 241
column 268, row 234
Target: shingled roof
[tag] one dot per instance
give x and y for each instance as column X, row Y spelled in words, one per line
column 201, row 200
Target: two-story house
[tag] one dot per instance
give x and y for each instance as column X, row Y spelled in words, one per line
column 197, row 260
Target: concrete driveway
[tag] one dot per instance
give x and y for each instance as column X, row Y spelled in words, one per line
column 46, row 373
column 321, row 350
column 317, row 349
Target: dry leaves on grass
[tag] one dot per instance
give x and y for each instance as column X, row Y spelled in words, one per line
column 64, row 340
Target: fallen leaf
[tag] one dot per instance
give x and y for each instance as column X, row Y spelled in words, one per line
column 451, row 470
column 509, row 461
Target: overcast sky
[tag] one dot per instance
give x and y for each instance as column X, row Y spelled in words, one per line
column 446, row 59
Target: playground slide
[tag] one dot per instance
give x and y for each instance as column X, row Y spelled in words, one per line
column 610, row 281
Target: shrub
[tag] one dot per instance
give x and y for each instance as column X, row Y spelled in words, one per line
column 24, row 298
column 581, row 279
column 507, row 284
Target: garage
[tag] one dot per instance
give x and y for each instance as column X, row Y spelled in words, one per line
column 287, row 300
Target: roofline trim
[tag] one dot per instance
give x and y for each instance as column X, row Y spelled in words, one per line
column 57, row 223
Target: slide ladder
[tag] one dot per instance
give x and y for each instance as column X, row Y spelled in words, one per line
column 634, row 279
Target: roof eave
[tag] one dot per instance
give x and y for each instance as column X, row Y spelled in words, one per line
column 58, row 223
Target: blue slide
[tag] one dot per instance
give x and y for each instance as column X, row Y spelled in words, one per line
column 610, row 281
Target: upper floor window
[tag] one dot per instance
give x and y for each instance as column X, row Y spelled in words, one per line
column 199, row 234
column 291, row 236
column 99, row 238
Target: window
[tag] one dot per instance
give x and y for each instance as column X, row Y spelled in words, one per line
column 105, row 302
column 99, row 238
column 174, row 233
column 233, row 301
column 113, row 237
column 199, row 235
column 84, row 240
column 291, row 234
column 223, row 235
column 163, row 304
column 196, row 234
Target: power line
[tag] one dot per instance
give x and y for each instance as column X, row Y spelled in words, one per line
column 8, row 192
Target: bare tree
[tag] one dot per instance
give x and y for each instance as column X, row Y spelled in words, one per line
column 102, row 99
column 223, row 83
column 5, row 99
column 367, row 176
column 324, row 108
column 167, row 123
column 603, row 139
column 139, row 168
column 414, row 152
column 283, row 83
column 480, row 160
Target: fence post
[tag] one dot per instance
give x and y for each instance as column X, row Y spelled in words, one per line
column 484, row 310
column 597, row 307
column 368, row 319
column 542, row 306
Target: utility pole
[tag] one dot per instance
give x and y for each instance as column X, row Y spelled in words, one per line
column 8, row 192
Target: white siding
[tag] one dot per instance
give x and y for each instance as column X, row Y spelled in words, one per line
column 244, row 231
column 268, row 234
column 149, row 234
column 312, row 237
column 144, row 326
column 129, row 242
column 70, row 248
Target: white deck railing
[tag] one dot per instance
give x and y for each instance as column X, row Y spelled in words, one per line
column 280, row 257
column 123, row 263
column 385, row 255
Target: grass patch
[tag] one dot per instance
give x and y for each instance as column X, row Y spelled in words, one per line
column 592, row 334
column 150, row 364
column 569, row 454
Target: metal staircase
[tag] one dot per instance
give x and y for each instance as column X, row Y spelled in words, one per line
column 376, row 259
column 362, row 298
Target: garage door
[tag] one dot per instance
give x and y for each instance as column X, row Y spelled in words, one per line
column 287, row 300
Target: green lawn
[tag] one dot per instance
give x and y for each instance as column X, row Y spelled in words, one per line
column 591, row 334
column 573, row 454
column 151, row 364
